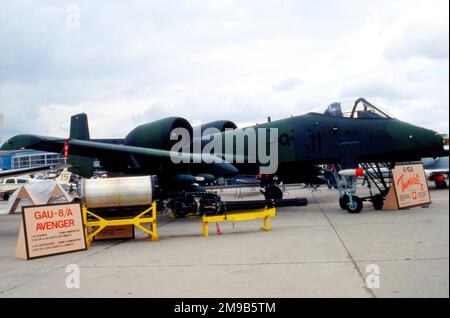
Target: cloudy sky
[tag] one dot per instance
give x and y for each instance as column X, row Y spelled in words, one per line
column 129, row 62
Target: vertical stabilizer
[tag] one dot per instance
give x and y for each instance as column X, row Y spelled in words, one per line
column 79, row 129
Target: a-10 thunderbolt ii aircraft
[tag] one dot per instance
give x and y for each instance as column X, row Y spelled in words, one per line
column 296, row 146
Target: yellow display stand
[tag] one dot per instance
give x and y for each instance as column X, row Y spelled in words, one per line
column 94, row 224
column 243, row 216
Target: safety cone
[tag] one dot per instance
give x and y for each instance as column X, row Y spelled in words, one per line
column 218, row 231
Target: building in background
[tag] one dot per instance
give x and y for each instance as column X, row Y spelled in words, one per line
column 1, row 129
column 19, row 159
column 445, row 136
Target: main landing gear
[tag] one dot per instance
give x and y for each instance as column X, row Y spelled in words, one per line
column 271, row 190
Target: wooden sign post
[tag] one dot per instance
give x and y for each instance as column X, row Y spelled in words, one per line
column 50, row 230
column 409, row 189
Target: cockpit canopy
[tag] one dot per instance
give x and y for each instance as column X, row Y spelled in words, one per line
column 362, row 109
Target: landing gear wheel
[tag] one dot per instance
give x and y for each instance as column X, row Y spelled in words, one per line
column 357, row 205
column 274, row 193
column 343, row 202
column 377, row 202
column 6, row 196
column 441, row 185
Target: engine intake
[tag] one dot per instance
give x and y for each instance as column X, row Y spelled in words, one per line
column 157, row 134
column 221, row 125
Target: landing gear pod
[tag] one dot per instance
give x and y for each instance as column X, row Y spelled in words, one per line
column 119, row 192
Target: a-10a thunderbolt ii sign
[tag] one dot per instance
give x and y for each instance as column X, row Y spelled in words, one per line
column 286, row 150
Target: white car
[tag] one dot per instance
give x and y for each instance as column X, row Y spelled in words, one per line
column 9, row 185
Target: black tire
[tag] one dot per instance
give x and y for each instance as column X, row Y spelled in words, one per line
column 377, row 201
column 275, row 193
column 343, row 202
column 6, row 196
column 441, row 185
column 358, row 206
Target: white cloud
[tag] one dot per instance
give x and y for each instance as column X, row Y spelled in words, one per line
column 424, row 39
column 138, row 61
column 287, row 84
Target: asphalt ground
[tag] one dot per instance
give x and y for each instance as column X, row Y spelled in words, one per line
column 313, row 251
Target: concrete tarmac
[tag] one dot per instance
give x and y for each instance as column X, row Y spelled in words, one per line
column 313, row 251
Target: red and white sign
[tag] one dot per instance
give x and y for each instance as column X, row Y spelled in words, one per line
column 50, row 229
column 410, row 185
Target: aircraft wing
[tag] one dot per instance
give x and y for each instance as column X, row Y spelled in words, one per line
column 95, row 149
column 20, row 172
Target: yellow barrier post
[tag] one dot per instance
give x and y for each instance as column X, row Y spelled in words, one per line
column 205, row 227
column 243, row 216
column 266, row 224
column 99, row 223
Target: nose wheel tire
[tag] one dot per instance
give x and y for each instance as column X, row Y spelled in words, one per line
column 441, row 185
column 357, row 205
column 343, row 202
column 6, row 196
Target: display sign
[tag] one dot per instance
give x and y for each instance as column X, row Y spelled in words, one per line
column 410, row 183
column 116, row 232
column 50, row 229
column 64, row 177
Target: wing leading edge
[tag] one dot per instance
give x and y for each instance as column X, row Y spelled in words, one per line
column 96, row 149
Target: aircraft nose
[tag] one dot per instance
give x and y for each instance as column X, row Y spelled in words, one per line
column 432, row 143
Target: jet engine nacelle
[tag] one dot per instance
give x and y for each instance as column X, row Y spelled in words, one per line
column 221, row 125
column 157, row 134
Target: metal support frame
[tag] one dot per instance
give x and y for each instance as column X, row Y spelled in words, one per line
column 243, row 216
column 337, row 179
column 375, row 176
column 98, row 223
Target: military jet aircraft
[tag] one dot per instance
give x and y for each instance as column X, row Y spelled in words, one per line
column 437, row 170
column 366, row 134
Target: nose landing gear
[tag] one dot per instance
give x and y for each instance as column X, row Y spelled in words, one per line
column 378, row 175
column 348, row 200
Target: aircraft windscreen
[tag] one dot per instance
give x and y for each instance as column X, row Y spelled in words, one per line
column 361, row 109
